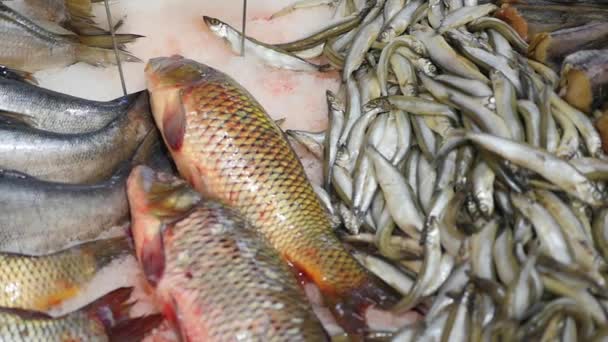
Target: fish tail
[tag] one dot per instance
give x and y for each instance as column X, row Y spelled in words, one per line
column 101, row 57
column 105, row 251
column 105, row 40
column 112, row 310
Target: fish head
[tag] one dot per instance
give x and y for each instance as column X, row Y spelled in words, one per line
column 174, row 72
column 167, row 79
column 218, row 27
column 156, row 200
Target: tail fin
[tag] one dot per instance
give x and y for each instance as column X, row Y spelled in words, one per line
column 107, row 250
column 102, row 57
column 113, row 311
column 105, row 40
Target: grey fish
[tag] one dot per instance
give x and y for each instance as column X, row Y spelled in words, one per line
column 29, row 47
column 56, row 112
column 75, row 158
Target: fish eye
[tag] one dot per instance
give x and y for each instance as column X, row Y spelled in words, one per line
column 214, row 21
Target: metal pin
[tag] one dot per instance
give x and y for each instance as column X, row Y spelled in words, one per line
column 122, row 76
column 243, row 26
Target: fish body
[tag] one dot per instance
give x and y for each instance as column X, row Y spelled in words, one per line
column 42, row 282
column 269, row 54
column 40, row 217
column 229, row 149
column 29, row 47
column 60, row 113
column 105, row 319
column 220, row 280
column 75, row 158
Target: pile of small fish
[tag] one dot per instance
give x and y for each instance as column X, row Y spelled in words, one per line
column 46, row 34
column 471, row 187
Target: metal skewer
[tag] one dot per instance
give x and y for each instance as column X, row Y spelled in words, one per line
column 111, row 24
column 243, row 26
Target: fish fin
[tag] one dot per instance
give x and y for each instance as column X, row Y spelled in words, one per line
column 68, row 290
column 350, row 308
column 102, row 57
column 134, row 329
column 17, row 119
column 112, row 310
column 146, row 148
column 280, row 122
column 152, row 256
column 104, row 251
column 105, row 40
column 174, row 122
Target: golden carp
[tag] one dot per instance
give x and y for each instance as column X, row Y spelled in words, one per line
column 216, row 277
column 42, row 282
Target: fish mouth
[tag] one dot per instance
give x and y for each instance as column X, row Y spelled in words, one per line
column 212, row 22
column 172, row 72
column 163, row 195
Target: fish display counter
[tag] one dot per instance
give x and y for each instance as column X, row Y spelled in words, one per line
column 310, row 170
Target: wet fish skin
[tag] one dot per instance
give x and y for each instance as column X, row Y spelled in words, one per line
column 60, row 113
column 76, row 158
column 210, row 259
column 105, row 319
column 201, row 111
column 42, row 282
column 40, row 217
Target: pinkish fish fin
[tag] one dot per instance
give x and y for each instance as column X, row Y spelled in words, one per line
column 153, row 255
column 112, row 310
column 174, row 122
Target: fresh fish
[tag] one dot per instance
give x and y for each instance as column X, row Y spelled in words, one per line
column 302, row 4
column 201, row 256
column 334, row 130
column 60, row 113
column 73, row 15
column 42, row 282
column 464, row 15
column 29, row 47
column 558, row 171
column 269, row 54
column 445, row 56
column 326, row 33
column 76, row 158
column 400, row 21
column 105, row 319
column 40, row 217
column 246, row 163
